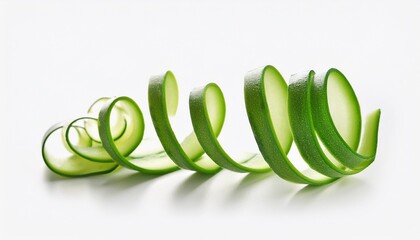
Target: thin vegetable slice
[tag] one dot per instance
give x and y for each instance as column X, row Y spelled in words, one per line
column 207, row 108
column 66, row 163
column 118, row 124
column 305, row 132
column 163, row 101
column 94, row 152
column 120, row 149
column 266, row 103
column 81, row 154
column 266, row 95
column 340, row 132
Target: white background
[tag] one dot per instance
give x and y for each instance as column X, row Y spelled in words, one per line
column 56, row 57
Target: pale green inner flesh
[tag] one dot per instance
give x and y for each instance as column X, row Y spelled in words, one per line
column 171, row 94
column 345, row 112
column 215, row 108
column 370, row 135
column 96, row 152
column 67, row 163
column 276, row 95
column 124, row 143
column 330, row 157
column 134, row 130
column 253, row 161
column 151, row 155
column 132, row 137
column 344, row 109
column 147, row 147
column 118, row 124
column 190, row 145
column 93, row 152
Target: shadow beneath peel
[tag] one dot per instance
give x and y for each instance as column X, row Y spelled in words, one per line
column 336, row 192
column 191, row 184
column 246, row 184
column 130, row 180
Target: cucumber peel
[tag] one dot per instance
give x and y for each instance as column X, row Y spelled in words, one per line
column 267, row 97
column 318, row 111
column 163, row 100
column 67, row 163
column 207, row 108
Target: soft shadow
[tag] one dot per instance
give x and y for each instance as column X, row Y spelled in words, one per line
column 266, row 190
column 106, row 184
column 311, row 191
column 326, row 194
column 192, row 192
column 128, row 189
column 191, row 184
column 127, row 181
column 247, row 182
column 52, row 177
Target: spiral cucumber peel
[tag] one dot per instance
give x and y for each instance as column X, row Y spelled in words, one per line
column 319, row 112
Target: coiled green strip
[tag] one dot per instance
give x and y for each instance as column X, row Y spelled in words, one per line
column 320, row 112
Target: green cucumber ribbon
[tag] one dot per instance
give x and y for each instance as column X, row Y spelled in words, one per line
column 319, row 112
